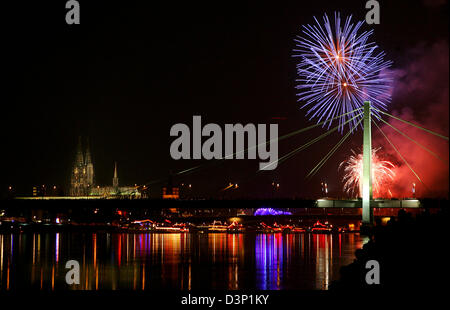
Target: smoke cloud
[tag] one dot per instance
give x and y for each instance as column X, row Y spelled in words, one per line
column 420, row 95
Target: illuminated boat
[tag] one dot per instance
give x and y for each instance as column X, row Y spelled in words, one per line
column 286, row 229
column 298, row 230
column 167, row 229
column 183, row 227
column 264, row 228
column 145, row 225
column 267, row 229
column 338, row 230
column 319, row 228
column 235, row 228
column 277, row 228
column 216, row 226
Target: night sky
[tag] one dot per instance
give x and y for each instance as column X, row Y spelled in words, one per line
column 131, row 71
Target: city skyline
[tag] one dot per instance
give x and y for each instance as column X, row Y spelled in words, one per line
column 218, row 153
column 128, row 74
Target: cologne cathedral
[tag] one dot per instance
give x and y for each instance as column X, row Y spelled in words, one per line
column 82, row 178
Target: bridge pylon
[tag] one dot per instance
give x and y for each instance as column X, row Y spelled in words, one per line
column 367, row 194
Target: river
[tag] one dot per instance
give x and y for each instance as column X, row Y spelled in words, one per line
column 146, row 261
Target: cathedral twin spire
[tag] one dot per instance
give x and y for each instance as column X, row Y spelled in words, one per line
column 82, row 178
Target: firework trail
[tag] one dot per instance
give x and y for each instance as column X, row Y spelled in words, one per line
column 382, row 174
column 339, row 70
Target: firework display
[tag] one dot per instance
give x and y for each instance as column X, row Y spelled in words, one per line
column 339, row 69
column 382, row 174
column 270, row 211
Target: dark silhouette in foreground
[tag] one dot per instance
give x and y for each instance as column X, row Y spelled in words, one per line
column 412, row 254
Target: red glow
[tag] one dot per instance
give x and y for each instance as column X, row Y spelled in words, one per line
column 383, row 173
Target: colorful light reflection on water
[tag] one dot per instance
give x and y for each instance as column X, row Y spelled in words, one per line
column 174, row 261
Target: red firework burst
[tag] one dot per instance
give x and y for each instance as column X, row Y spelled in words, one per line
column 382, row 174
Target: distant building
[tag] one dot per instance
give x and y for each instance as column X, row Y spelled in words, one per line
column 169, row 191
column 82, row 178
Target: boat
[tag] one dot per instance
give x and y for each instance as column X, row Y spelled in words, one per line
column 319, row 228
column 297, row 230
column 215, row 227
column 235, row 227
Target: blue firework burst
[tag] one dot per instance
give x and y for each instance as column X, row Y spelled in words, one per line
column 339, row 69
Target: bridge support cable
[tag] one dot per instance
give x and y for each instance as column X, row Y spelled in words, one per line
column 416, row 142
column 331, row 152
column 296, row 132
column 414, row 125
column 216, row 162
column 292, row 153
column 291, row 134
column 306, row 145
column 399, row 154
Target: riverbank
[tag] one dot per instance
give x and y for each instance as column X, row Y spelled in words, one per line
column 411, row 252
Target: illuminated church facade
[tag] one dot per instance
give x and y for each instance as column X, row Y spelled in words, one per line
column 82, row 181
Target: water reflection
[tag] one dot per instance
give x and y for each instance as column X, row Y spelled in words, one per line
column 269, row 258
column 174, row 261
